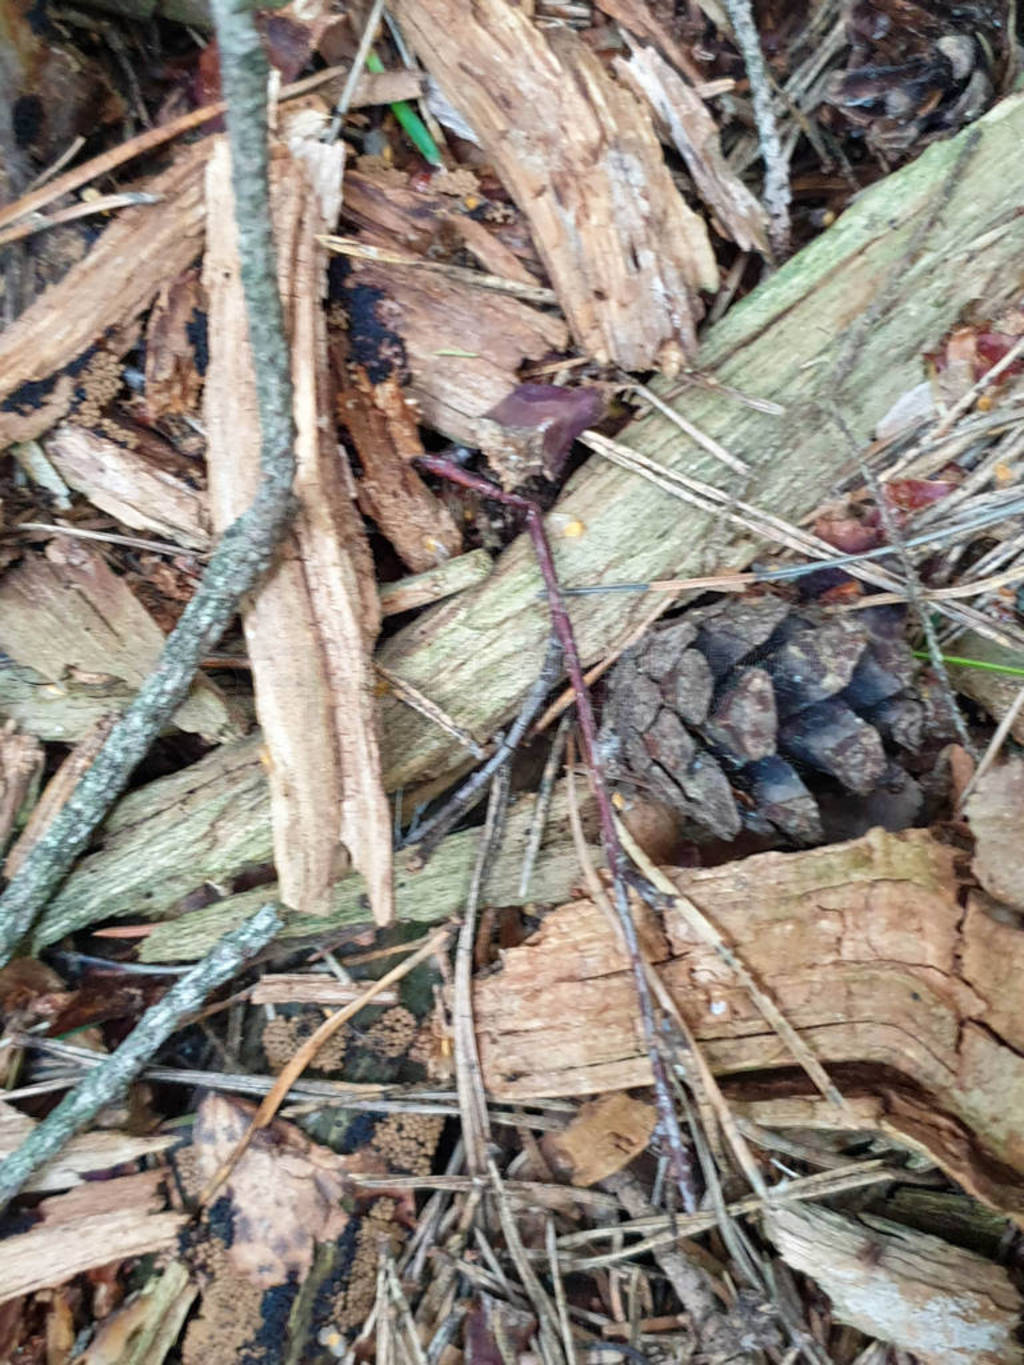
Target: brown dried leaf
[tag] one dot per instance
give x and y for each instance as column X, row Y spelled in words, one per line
column 286, row 1191
column 625, row 254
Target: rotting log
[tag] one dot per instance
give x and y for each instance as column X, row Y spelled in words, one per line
column 841, row 327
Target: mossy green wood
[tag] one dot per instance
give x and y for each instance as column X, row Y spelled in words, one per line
column 842, row 326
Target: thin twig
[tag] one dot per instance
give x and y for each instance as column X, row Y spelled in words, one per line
column 109, row 1079
column 776, row 168
column 468, row 1081
column 417, row 701
column 432, row 831
column 695, row 434
column 355, row 71
column 246, row 548
column 545, row 791
column 614, row 858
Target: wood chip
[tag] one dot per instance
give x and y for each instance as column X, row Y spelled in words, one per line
column 64, row 1246
column 463, row 346
column 129, row 486
column 625, row 254
column 21, row 761
column 694, row 134
column 419, row 591
column 99, row 1150
column 384, row 431
column 944, row 1304
column 311, row 988
column 310, row 627
column 66, row 612
column 57, row 790
column 605, row 1135
column 995, row 813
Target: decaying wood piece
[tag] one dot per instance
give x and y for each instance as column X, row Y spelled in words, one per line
column 994, row 810
column 57, row 791
column 203, row 826
column 606, row 1134
column 119, row 1220
column 577, row 152
column 863, row 946
column 21, row 761
column 107, row 290
column 383, row 429
column 421, row 589
column 98, row 1150
column 463, row 345
column 944, row 1304
column 130, row 487
column 310, row 627
column 66, row 612
column 845, row 322
column 694, row 134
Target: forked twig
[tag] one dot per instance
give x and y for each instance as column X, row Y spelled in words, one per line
column 454, row 473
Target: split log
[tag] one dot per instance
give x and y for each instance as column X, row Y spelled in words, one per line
column 311, row 625
column 843, row 324
column 202, row 826
column 863, row 946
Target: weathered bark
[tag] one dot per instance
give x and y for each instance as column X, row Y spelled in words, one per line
column 866, row 950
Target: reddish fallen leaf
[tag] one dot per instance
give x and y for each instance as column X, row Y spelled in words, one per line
column 910, row 495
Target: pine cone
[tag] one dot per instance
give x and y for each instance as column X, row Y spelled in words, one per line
column 750, row 713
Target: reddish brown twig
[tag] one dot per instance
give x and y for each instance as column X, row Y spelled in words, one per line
column 447, row 469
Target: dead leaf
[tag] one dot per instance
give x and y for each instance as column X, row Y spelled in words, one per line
column 285, row 1193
